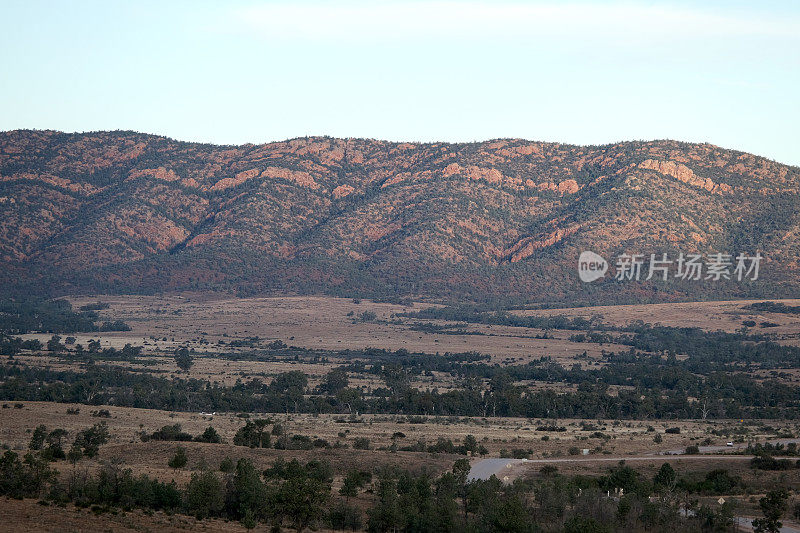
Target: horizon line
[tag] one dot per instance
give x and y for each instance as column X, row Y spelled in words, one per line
column 326, row 136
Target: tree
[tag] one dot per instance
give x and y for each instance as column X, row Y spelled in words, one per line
column 345, row 516
column 301, row 500
column 773, row 505
column 74, row 454
column 386, row 515
column 249, row 492
column 254, row 434
column 204, row 494
column 24, row 479
column 37, row 439
column 335, row 381
column 470, row 444
column 209, row 435
column 179, row 460
column 666, row 477
column 55, row 444
column 90, row 439
column 461, row 470
column 54, row 344
column 353, row 481
column 183, row 358
column 226, row 465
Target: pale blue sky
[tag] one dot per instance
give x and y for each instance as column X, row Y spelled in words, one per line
column 234, row 72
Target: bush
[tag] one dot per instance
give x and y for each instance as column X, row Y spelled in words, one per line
column 767, row 462
column 90, row 439
column 692, row 449
column 672, row 431
column 548, row 470
column 344, row 516
column 24, row 479
column 226, row 465
column 362, row 443
column 168, row 433
column 210, row 435
column 179, row 460
column 580, row 524
column 254, row 434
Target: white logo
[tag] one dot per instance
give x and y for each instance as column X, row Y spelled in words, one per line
column 591, row 266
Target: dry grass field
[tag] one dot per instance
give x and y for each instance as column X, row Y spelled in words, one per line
column 710, row 316
column 209, row 324
column 314, row 322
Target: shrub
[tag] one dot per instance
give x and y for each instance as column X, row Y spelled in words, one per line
column 209, row 435
column 90, row 439
column 548, row 470
column 767, row 462
column 168, row 433
column 361, row 443
column 226, row 465
column 253, row 434
column 344, row 516
column 179, row 460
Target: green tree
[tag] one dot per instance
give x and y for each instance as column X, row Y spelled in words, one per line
column 353, row 480
column 461, row 470
column 300, row 500
column 470, row 444
column 183, row 358
column 209, row 435
column 74, row 454
column 253, row 434
column 666, row 477
column 37, row 438
column 90, row 439
column 205, row 495
column 335, row 381
column 773, row 505
column 55, row 444
column 178, row 460
column 386, row 515
column 226, row 465
column 249, row 492
column 54, row 344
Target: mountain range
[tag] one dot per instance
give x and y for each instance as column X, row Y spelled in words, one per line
column 501, row 220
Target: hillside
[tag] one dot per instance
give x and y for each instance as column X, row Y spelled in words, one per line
column 496, row 220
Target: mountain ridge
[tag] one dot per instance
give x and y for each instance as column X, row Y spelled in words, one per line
column 125, row 211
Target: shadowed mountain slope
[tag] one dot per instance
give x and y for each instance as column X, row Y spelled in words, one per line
column 503, row 219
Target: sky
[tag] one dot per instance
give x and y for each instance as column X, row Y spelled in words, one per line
column 235, row 72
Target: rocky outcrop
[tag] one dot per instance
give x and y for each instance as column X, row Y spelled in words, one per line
column 683, row 173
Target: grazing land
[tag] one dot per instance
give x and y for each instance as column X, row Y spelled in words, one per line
column 193, row 393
